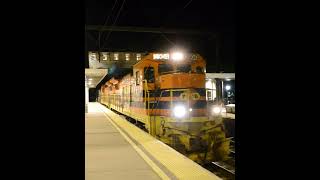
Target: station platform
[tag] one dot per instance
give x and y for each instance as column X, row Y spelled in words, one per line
column 228, row 116
column 116, row 149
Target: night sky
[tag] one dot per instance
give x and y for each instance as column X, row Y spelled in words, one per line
column 214, row 16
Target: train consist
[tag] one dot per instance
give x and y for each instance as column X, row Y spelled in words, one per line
column 165, row 94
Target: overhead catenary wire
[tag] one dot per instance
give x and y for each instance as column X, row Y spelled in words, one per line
column 106, row 21
column 187, row 4
column 110, row 31
column 104, row 39
column 167, row 39
column 113, row 24
column 166, row 36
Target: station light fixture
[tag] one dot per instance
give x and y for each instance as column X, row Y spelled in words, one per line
column 209, row 84
column 228, row 87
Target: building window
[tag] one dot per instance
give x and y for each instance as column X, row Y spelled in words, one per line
column 92, row 56
column 127, row 56
column 138, row 57
column 105, row 56
column 116, row 56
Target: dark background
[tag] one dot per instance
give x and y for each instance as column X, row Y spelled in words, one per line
column 214, row 16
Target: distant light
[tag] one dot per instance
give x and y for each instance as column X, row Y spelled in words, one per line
column 127, row 56
column 177, row 56
column 228, row 79
column 116, row 56
column 190, row 109
column 228, row 87
column 138, row 57
column 209, row 84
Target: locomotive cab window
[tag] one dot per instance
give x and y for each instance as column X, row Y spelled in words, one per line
column 199, row 70
column 184, row 68
column 165, row 68
column 149, row 74
column 137, row 77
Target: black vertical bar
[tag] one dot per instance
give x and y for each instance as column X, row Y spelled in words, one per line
column 218, row 90
column 218, row 52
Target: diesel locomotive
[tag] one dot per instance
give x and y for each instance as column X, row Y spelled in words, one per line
column 165, row 94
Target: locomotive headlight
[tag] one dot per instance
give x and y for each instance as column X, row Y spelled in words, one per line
column 177, row 56
column 179, row 111
column 216, row 110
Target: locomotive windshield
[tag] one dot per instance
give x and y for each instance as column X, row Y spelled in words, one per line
column 165, row 68
column 184, row 68
column 169, row 68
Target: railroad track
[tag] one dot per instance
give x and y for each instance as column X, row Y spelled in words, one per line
column 232, row 149
column 224, row 169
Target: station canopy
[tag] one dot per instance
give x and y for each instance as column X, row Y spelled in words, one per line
column 230, row 76
column 94, row 76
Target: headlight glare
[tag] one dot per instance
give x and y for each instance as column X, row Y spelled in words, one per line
column 179, row 111
column 216, row 110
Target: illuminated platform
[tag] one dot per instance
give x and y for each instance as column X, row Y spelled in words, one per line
column 228, row 116
column 116, row 149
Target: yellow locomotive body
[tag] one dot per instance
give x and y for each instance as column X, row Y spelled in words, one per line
column 166, row 94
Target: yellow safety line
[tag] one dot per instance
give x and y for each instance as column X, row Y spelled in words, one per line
column 139, row 151
column 178, row 164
